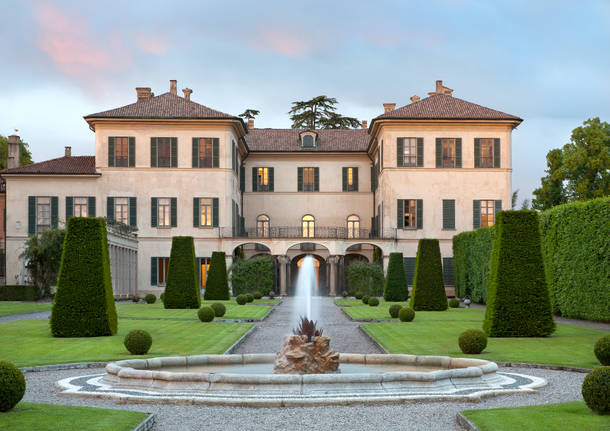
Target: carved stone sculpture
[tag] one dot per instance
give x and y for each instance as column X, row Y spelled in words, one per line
column 298, row 356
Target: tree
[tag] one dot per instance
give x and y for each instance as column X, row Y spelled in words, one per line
column 428, row 285
column 43, row 254
column 182, row 289
column 551, row 192
column 319, row 113
column 217, row 285
column 514, row 199
column 252, row 275
column 395, row 288
column 24, row 152
column 249, row 114
column 365, row 278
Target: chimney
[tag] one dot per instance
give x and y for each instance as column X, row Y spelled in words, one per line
column 143, row 93
column 187, row 93
column 387, row 107
column 173, row 86
column 441, row 89
column 415, row 99
column 68, row 152
column 251, row 123
column 364, row 124
column 13, row 152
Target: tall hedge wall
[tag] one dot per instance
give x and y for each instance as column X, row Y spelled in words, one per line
column 428, row 286
column 18, row 292
column 217, row 285
column 366, row 278
column 576, row 246
column 253, row 275
column 395, row 287
column 84, row 303
column 182, row 287
column 471, row 253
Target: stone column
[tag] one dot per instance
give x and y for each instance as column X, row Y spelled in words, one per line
column 333, row 275
column 386, row 261
column 282, row 262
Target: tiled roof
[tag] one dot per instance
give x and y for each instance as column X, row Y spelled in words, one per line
column 446, row 107
column 287, row 140
column 70, row 165
column 167, row 105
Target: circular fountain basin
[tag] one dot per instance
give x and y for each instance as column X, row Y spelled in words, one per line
column 248, row 380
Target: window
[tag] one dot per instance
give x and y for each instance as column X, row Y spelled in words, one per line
column 164, row 152
column 205, row 212
column 262, row 179
column 80, row 207
column 206, row 152
column 448, row 277
column 308, row 179
column 353, row 226
column 487, row 153
column 448, row 214
column 487, row 213
column 410, row 214
column 262, row 226
column 43, row 213
column 409, row 154
column 448, row 153
column 204, row 268
column 121, row 210
column 163, row 212
column 308, row 141
column 350, row 179
column 121, row 152
column 308, row 223
column 162, row 269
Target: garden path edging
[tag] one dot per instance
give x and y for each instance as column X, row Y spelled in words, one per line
column 463, row 422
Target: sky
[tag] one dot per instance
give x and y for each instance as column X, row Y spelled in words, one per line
column 546, row 61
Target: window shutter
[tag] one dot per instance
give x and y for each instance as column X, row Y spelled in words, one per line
column 174, row 212
column 420, row 214
column 355, row 188
column 458, row 152
column 153, row 152
column 242, row 178
column 409, row 264
column 233, row 155
column 215, row 151
column 448, row 214
column 420, row 152
column 196, row 212
column 69, row 207
column 439, row 153
column 174, row 153
column 195, row 153
column 400, row 151
column 110, row 209
column 316, row 179
column 477, row 152
column 300, row 179
column 133, row 218
column 496, row 152
column 400, row 214
column 381, row 156
column 153, row 212
column 90, row 206
column 242, row 226
column 476, row 214
column 215, row 212
column 254, row 179
column 448, row 271
column 497, row 207
column 344, row 171
column 132, row 151
column 54, row 211
column 31, row 215
column 271, row 179
column 373, row 179
column 153, row 271
column 111, row 151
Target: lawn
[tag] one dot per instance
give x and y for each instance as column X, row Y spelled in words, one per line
column 29, row 342
column 436, row 333
column 52, row 417
column 156, row 311
column 381, row 312
column 13, row 307
column 574, row 416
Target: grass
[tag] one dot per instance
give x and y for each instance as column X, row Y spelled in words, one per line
column 573, row 416
column 436, row 333
column 29, row 342
column 14, row 307
column 50, row 417
column 156, row 311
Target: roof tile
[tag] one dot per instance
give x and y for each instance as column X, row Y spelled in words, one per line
column 67, row 165
column 287, row 140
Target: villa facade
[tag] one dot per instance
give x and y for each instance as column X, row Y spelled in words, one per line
column 168, row 166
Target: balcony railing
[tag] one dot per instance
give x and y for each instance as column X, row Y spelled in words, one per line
column 320, row 232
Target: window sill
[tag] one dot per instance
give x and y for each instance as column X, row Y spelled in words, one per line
column 447, row 229
column 206, row 227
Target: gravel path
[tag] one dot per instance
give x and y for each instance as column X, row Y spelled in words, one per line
column 34, row 315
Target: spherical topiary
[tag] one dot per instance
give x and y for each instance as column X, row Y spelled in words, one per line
column 257, row 295
column 454, row 303
column 138, row 342
column 241, row 299
column 406, row 314
column 359, row 295
column 596, row 390
column 394, row 310
column 219, row 309
column 249, row 297
column 12, row 386
column 472, row 341
column 365, row 299
column 602, row 350
column 206, row 314
column 150, row 298
column 373, row 302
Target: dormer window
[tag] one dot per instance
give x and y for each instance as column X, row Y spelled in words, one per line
column 309, row 140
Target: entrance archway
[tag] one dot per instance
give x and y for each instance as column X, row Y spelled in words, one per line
column 296, row 255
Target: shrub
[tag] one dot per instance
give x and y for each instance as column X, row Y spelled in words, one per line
column 150, row 298
column 18, row 293
column 249, row 297
column 135, row 298
column 271, row 294
column 42, row 252
column 253, row 275
column 84, row 303
column 162, row 296
column 394, row 310
column 137, row 342
column 257, row 295
column 406, row 314
column 471, row 256
column 219, row 309
column 472, row 341
column 428, row 286
column 395, row 288
column 365, row 299
column 358, row 295
column 518, row 303
column 12, row 386
column 182, row 288
column 596, row 390
column 241, row 299
column 344, row 294
column 373, row 302
column 206, row 314
column 365, row 277
column 454, row 303
column 217, row 286
column 602, row 350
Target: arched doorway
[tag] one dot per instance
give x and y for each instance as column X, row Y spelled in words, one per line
column 296, row 254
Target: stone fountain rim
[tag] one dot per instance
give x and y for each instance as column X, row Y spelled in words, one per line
column 148, row 369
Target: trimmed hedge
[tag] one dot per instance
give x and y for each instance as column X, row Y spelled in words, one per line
column 217, row 285
column 12, row 386
column 206, row 314
column 471, row 256
column 602, row 350
column 428, row 286
column 395, row 288
column 406, row 314
column 472, row 341
column 18, row 292
column 253, row 275
column 518, row 303
column 596, row 390
column 219, row 309
column 138, row 342
column 373, row 302
column 84, row 303
column 241, row 299
column 150, row 298
column 182, row 287
column 366, row 278
column 394, row 310
column 454, row 303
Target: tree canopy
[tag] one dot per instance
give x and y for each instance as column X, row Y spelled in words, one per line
column 42, row 254
column 320, row 113
column 25, row 155
column 249, row 114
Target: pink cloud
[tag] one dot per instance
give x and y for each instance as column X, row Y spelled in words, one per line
column 153, row 44
column 285, row 42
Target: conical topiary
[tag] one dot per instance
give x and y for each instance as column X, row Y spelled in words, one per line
column 395, row 288
column 217, row 285
column 182, row 289
column 428, row 286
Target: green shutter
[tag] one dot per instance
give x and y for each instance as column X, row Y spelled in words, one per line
column 215, row 212
column 344, row 179
column 215, row 151
column 132, row 152
column 355, row 179
column 254, row 179
column 133, row 217
column 31, row 215
column 496, row 152
column 373, row 179
column 242, row 179
column 271, row 179
column 242, row 226
column 409, row 264
column 153, row 152
column 458, row 152
column 196, row 212
column 174, row 153
column 400, row 214
column 153, row 271
column 90, row 206
column 111, row 151
column 420, row 152
column 400, row 151
column 69, row 207
column 420, row 213
column 448, row 214
column 110, row 209
column 477, row 152
column 439, row 153
column 195, row 153
column 174, row 212
column 497, row 207
column 54, row 211
column 476, row 214
column 300, row 179
column 316, row 179
column 448, row 271
column 153, row 212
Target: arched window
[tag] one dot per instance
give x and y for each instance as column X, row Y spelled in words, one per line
column 308, row 141
column 308, row 223
column 262, row 226
column 353, row 226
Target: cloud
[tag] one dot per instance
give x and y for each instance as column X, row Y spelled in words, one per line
column 153, row 44
column 286, row 42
